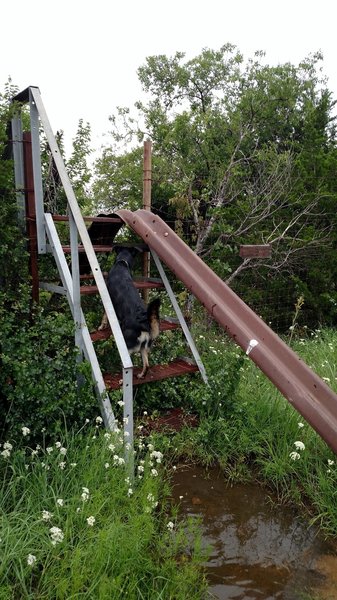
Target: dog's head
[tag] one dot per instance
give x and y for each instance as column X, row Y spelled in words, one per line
column 126, row 254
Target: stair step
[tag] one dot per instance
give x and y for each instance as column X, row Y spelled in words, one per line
column 140, row 284
column 65, row 218
column 104, row 334
column 96, row 247
column 176, row 368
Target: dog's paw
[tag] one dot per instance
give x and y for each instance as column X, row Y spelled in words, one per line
column 140, row 375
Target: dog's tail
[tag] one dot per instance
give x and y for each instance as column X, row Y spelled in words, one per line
column 153, row 317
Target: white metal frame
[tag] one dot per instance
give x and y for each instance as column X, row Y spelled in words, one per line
column 48, row 241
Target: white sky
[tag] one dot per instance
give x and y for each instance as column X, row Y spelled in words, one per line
column 84, row 54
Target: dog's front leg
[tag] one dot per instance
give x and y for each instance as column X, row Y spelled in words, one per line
column 104, row 323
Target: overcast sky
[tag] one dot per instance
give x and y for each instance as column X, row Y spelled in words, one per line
column 84, row 54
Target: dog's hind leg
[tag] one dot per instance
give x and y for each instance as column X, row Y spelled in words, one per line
column 145, row 359
column 104, row 323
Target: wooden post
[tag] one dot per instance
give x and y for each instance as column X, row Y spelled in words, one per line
column 147, row 181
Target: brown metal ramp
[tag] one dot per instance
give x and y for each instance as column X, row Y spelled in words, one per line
column 311, row 396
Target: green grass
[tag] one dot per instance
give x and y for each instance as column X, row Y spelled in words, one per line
column 115, row 538
column 130, row 550
column 252, row 431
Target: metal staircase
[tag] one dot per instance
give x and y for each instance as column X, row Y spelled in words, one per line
column 43, row 238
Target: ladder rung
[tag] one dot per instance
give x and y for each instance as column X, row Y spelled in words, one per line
column 97, row 248
column 108, row 247
column 149, row 284
column 176, row 368
column 90, row 219
column 104, row 334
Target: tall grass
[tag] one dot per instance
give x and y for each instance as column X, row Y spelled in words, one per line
column 252, row 431
column 73, row 525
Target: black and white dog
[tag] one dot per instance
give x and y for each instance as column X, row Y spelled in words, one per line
column 139, row 323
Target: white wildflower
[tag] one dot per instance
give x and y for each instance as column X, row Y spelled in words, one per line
column 120, row 402
column 91, row 520
column 130, row 492
column 56, row 535
column 8, row 446
column 85, row 494
column 31, row 559
column 170, row 526
column 49, row 449
column 294, row 455
column 58, row 444
column 63, row 451
column 62, row 465
column 6, row 453
column 299, row 445
column 154, row 472
column 157, row 455
column 300, row 425
column 106, row 465
column 46, row 515
column 26, row 431
column 99, row 420
column 60, row 502
column 331, row 462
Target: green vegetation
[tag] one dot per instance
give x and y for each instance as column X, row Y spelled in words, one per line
column 74, row 526
column 130, row 549
column 243, row 153
column 248, row 428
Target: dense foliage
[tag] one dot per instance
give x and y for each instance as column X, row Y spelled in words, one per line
column 243, row 153
column 39, row 363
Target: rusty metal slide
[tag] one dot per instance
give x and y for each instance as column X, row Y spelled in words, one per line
column 309, row 395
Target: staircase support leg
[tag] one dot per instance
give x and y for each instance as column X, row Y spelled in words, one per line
column 180, row 316
column 128, row 420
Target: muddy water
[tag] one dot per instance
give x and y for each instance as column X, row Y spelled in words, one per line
column 256, row 551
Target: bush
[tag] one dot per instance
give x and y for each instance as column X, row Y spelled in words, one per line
column 38, row 378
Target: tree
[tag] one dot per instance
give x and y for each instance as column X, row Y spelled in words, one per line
column 243, row 153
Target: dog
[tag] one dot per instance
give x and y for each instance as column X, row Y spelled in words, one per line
column 139, row 323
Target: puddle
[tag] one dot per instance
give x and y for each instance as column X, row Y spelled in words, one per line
column 257, row 551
